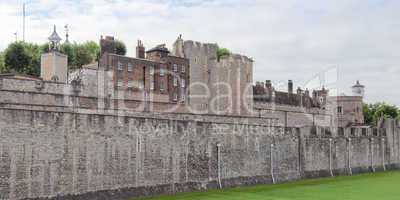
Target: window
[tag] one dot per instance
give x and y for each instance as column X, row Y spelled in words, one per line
column 151, row 70
column 175, row 96
column 175, row 81
column 130, row 67
column 152, row 85
column 130, row 84
column 175, row 68
column 183, row 83
column 183, row 97
column 183, row 69
column 140, row 85
column 339, row 109
column 120, row 67
column 161, row 86
column 120, row 83
column 162, row 71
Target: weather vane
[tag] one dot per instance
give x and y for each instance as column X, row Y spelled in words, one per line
column 66, row 33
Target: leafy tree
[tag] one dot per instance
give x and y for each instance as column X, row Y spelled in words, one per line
column 373, row 112
column 3, row 68
column 17, row 58
column 82, row 56
column 69, row 50
column 120, row 47
column 386, row 111
column 369, row 110
column 45, row 48
column 222, row 52
column 24, row 58
column 93, row 48
column 35, row 54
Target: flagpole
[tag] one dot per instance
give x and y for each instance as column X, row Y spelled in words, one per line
column 23, row 22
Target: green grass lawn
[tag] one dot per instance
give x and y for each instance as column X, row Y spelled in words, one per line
column 378, row 186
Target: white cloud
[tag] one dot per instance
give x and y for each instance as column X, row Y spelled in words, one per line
column 289, row 39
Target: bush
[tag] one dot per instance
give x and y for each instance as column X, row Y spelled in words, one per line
column 222, row 52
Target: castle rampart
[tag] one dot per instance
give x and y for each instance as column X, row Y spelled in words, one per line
column 104, row 154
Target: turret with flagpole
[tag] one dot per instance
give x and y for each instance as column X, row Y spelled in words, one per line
column 54, row 65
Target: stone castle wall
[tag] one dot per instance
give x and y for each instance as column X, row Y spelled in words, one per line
column 93, row 154
column 293, row 116
column 60, row 141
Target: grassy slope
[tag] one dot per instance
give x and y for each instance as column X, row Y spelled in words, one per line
column 379, row 186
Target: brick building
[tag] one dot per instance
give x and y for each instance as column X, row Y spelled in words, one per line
column 159, row 75
column 345, row 110
column 266, row 93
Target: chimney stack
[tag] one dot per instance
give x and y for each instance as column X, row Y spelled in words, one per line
column 268, row 84
column 290, row 87
column 140, row 50
column 299, row 91
column 307, row 93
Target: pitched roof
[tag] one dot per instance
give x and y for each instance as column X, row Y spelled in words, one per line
column 160, row 47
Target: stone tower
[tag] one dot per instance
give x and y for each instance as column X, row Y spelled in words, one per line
column 178, row 47
column 54, row 65
column 221, row 86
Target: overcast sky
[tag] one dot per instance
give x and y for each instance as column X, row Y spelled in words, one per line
column 302, row 40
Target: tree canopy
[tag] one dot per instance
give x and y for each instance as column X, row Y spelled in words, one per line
column 20, row 57
column 373, row 112
column 120, row 47
column 2, row 65
column 82, row 56
column 24, row 58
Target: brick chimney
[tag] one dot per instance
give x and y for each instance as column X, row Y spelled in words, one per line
column 290, row 87
column 140, row 50
column 299, row 91
column 268, row 84
column 307, row 93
